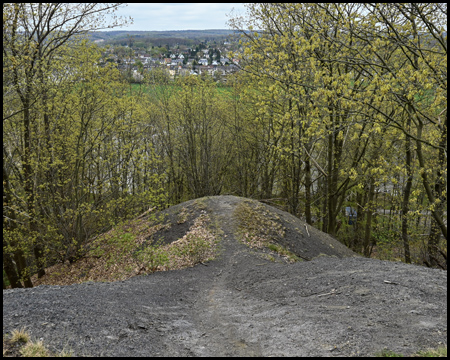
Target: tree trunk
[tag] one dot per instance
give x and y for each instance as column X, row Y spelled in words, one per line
column 19, row 257
column 10, row 270
column 437, row 210
column 433, row 242
column 369, row 210
column 308, row 191
column 356, row 244
column 324, row 205
column 406, row 195
column 330, row 223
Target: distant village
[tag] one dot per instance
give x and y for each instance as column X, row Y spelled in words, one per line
column 178, row 60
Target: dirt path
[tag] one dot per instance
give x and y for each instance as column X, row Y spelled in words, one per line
column 242, row 304
column 218, row 314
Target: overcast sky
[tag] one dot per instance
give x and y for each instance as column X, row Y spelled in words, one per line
column 178, row 16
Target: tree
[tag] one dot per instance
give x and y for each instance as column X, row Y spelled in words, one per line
column 36, row 39
column 417, row 32
column 192, row 135
column 348, row 74
column 297, row 61
column 140, row 66
column 413, row 77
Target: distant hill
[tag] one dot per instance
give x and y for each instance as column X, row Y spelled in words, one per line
column 182, row 34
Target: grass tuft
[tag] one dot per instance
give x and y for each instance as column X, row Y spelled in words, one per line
column 388, row 353
column 34, row 349
column 20, row 335
column 438, row 352
column 20, row 345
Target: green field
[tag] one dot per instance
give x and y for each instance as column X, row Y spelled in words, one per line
column 143, row 88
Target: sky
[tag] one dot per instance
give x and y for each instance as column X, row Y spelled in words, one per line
column 178, row 16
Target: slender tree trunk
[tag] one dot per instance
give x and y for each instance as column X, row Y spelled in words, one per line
column 324, row 205
column 10, row 269
column 308, row 191
column 8, row 264
column 19, row 257
column 357, row 243
column 406, row 195
column 433, row 243
column 28, row 187
column 368, row 226
column 330, row 223
column 437, row 210
column 439, row 187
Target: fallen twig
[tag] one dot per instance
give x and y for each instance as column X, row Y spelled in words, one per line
column 145, row 213
column 307, row 230
column 390, row 282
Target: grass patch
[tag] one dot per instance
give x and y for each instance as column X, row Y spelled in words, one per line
column 200, row 204
column 134, row 248
column 171, row 88
column 196, row 246
column 183, row 216
column 19, row 344
column 259, row 228
column 438, row 352
column 388, row 353
column 289, row 255
column 20, row 335
column 34, row 349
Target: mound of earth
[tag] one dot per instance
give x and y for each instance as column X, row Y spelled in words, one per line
column 253, row 292
column 255, row 224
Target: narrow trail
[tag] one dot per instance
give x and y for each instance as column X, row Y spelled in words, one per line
column 218, row 312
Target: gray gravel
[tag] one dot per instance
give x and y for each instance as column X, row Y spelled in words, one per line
column 242, row 305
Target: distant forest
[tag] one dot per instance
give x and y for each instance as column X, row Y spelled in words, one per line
column 157, row 38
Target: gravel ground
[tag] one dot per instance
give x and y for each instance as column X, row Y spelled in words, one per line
column 242, row 305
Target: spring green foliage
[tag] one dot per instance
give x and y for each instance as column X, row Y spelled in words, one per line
column 355, row 96
column 76, row 154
